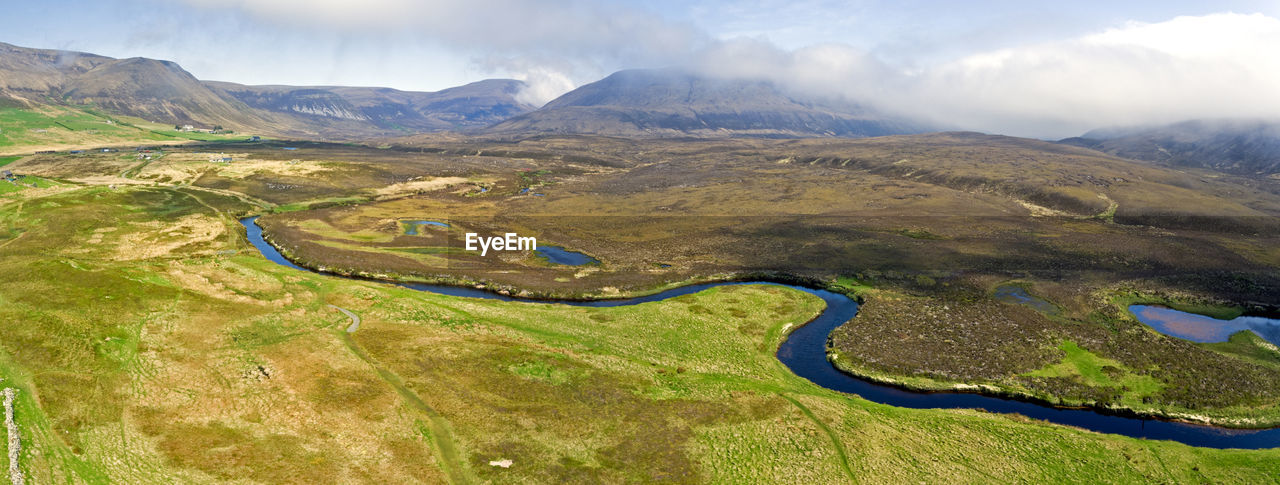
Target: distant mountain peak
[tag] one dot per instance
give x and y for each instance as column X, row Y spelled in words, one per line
column 673, row 102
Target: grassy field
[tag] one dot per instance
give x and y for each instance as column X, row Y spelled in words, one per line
column 161, row 348
column 25, row 182
column 53, row 127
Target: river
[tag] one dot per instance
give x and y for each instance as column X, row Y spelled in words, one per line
column 805, row 353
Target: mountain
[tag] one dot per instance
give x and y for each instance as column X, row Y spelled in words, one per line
column 163, row 92
column 1241, row 147
column 160, row 91
column 145, row 88
column 474, row 105
column 669, row 102
column 31, row 72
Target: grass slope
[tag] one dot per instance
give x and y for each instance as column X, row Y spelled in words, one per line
column 62, row 127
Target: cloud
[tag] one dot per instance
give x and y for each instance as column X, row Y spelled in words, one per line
column 834, row 70
column 573, row 39
column 542, row 85
column 571, row 27
column 1214, row 66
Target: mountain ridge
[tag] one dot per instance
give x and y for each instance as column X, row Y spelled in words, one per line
column 673, row 103
column 163, row 91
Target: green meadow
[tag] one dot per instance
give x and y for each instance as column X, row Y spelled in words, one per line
column 64, row 127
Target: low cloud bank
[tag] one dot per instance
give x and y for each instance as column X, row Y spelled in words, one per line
column 1216, row 66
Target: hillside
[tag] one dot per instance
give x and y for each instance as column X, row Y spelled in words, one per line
column 30, row 73
column 1241, row 147
column 675, row 103
column 162, row 92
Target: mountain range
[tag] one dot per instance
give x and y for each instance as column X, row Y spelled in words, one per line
column 163, row 92
column 649, row 103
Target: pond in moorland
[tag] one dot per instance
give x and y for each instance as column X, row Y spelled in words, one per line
column 1200, row 328
column 1018, row 295
column 559, row 255
column 411, row 227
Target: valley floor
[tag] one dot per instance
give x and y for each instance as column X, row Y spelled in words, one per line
column 148, row 342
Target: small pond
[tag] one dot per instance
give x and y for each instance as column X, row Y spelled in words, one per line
column 559, row 255
column 1199, row 328
column 411, row 227
column 1019, row 296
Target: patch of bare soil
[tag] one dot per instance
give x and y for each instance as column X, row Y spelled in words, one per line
column 108, row 180
column 156, row 239
column 416, row 186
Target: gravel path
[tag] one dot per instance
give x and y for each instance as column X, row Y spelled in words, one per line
column 355, row 319
column 15, row 442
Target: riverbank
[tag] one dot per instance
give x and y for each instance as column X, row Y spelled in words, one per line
column 928, row 385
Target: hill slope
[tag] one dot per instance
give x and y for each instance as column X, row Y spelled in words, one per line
column 675, row 103
column 27, row 73
column 161, row 91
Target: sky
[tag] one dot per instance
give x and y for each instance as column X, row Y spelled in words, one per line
column 1040, row 69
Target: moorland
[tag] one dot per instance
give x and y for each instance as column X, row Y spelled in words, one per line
column 161, row 347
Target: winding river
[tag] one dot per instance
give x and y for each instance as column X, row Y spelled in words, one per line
column 805, row 353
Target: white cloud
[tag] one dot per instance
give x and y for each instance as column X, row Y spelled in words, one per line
column 1215, row 66
column 542, row 85
column 552, row 46
column 583, row 31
